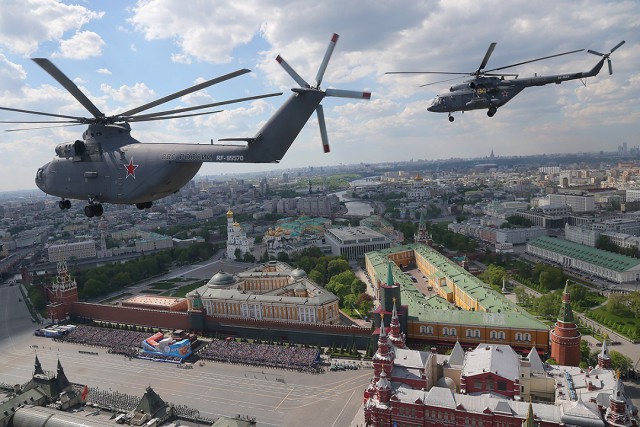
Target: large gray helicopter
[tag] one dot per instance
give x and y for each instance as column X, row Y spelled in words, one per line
column 110, row 166
column 490, row 90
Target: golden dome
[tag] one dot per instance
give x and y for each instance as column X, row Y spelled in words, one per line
column 229, row 213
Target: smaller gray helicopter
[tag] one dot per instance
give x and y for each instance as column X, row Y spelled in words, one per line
column 490, row 90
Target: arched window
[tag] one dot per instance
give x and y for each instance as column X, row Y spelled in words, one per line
column 445, row 331
column 501, row 335
column 518, row 336
column 452, row 332
column 423, row 329
column 527, row 337
column 494, row 335
column 430, row 330
column 469, row 333
column 477, row 333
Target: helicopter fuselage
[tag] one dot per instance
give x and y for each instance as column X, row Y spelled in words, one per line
column 493, row 92
column 481, row 93
column 110, row 166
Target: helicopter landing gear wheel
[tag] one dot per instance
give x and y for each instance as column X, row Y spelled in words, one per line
column 64, row 204
column 145, row 205
column 93, row 210
column 492, row 111
column 451, row 118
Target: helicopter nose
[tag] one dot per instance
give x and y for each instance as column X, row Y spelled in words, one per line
column 41, row 178
column 430, row 108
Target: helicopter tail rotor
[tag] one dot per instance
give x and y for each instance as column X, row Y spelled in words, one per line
column 329, row 92
column 607, row 55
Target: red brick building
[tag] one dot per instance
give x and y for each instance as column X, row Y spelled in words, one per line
column 565, row 337
column 492, row 369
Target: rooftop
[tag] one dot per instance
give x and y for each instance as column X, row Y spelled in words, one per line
column 598, row 257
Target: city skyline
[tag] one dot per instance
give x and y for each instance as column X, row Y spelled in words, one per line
column 125, row 56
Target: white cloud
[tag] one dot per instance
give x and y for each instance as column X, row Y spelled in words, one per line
column 24, row 25
column 11, row 74
column 82, row 45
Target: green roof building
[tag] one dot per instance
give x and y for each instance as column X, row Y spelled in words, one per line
column 606, row 265
column 464, row 308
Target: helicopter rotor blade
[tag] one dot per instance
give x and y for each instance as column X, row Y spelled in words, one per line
column 534, row 60
column 617, row 46
column 180, row 116
column 441, row 81
column 42, row 127
column 327, row 57
column 340, row 93
column 184, row 92
column 70, row 86
column 294, row 75
column 199, row 107
column 323, row 128
column 487, row 55
column 39, row 121
column 501, row 74
column 595, row 52
column 429, row 72
column 40, row 113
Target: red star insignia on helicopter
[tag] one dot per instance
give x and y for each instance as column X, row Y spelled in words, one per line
column 131, row 169
column 505, row 93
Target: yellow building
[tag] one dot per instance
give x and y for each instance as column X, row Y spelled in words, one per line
column 273, row 291
column 465, row 308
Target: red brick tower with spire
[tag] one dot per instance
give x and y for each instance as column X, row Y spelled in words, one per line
column 396, row 336
column 565, row 337
column 61, row 294
column 383, row 359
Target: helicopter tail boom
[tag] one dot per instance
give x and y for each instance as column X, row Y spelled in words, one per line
column 276, row 136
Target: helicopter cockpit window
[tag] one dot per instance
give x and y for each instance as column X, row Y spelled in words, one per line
column 436, row 100
column 39, row 175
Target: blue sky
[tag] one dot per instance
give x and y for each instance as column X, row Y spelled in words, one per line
column 123, row 54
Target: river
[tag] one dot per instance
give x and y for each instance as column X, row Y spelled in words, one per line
column 354, row 207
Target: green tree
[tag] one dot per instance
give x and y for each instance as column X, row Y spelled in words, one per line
column 238, row 254
column 547, row 304
column 617, row 304
column 283, row 256
column 37, row 298
column 337, row 266
column 316, row 276
column 620, row 362
column 92, row 288
column 358, row 286
column 521, row 295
